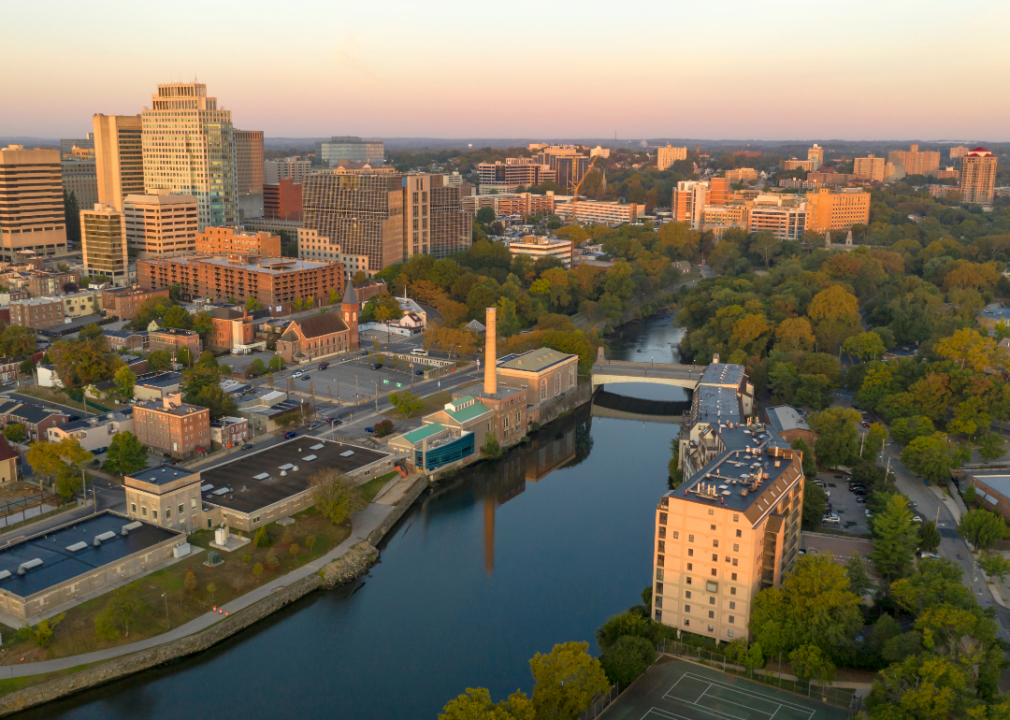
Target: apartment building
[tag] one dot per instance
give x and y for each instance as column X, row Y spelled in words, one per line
column 331, row 153
column 96, row 432
column 978, row 176
column 511, row 203
column 958, row 151
column 837, row 210
column 513, row 173
column 733, row 527
column 39, row 313
column 248, row 161
column 286, row 169
column 227, row 241
column 48, row 283
column 947, row 173
column 870, row 168
column 171, row 427
column 32, row 220
column 312, row 246
column 9, row 370
column 667, row 156
column 689, row 200
column 272, row 281
column 567, row 162
column 123, row 302
column 162, row 223
column 127, row 340
column 81, row 179
column 81, row 304
column 189, row 147
column 171, row 339
column 119, row 158
column 785, row 218
column 451, row 223
column 282, row 200
column 720, row 218
column 541, row 246
column 794, row 164
column 916, row 162
column 600, row 212
column 740, row 175
column 103, row 239
column 816, row 156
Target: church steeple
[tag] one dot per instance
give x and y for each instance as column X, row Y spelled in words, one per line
column 350, row 307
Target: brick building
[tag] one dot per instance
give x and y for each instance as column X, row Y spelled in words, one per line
column 272, row 281
column 49, row 283
column 229, row 431
column 8, row 369
column 170, row 339
column 35, row 419
column 172, row 427
column 234, row 329
column 226, row 241
column 119, row 339
column 38, row 313
column 283, row 200
column 123, row 302
column 322, row 335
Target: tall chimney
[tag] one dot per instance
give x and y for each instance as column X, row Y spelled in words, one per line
column 490, row 352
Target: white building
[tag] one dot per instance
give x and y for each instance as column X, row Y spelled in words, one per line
column 538, row 247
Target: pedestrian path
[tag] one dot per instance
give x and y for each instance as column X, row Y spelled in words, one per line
column 363, row 524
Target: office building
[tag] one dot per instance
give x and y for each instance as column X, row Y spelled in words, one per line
column 32, row 220
column 160, row 224
column 286, row 169
column 272, row 281
column 599, row 211
column 785, row 218
column 978, row 177
column 740, row 175
column 720, row 218
column 567, row 162
column 171, row 427
column 248, row 161
column 337, row 150
column 837, row 210
column 816, row 156
column 119, row 158
column 541, row 246
column 67, row 145
column 362, row 213
column 80, row 178
column 511, row 203
column 189, row 147
column 958, row 151
column 916, row 162
column 282, row 200
column 37, row 313
column 512, row 174
column 667, row 156
column 689, row 200
column 870, row 168
column 313, row 246
column 103, row 239
column 226, row 241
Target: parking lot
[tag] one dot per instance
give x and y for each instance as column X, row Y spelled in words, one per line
column 843, row 503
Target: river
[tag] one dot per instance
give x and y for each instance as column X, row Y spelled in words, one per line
column 494, row 566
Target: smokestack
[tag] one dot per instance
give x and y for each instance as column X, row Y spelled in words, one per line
column 490, row 352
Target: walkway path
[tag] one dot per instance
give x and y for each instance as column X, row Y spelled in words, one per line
column 364, row 523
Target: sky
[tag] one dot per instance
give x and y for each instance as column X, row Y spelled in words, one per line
column 773, row 70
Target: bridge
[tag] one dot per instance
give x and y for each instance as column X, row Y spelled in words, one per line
column 620, row 407
column 609, row 372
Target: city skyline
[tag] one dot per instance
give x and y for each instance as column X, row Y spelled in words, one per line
column 793, row 74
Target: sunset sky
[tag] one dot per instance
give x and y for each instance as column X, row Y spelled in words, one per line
column 732, row 69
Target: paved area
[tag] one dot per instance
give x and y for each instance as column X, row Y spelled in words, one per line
column 844, row 504
column 841, row 548
column 364, row 523
column 677, row 690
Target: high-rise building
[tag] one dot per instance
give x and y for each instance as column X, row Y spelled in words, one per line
column 32, row 218
column 67, row 145
column 160, row 224
column 689, row 200
column 249, row 161
column 330, row 153
column 871, row 168
column 285, row 169
column 916, row 162
column 795, row 164
column 667, row 156
column 958, row 151
column 978, row 176
column 451, row 225
column 513, row 173
column 80, row 178
column 282, row 200
column 313, row 246
column 360, row 212
column 816, row 155
column 828, row 210
column 189, row 147
column 567, row 162
column 103, row 239
column 119, row 159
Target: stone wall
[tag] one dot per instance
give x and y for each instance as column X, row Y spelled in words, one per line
column 399, row 511
column 552, row 409
column 121, row 667
column 352, row 564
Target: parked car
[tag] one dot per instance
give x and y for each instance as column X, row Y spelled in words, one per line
column 296, row 374
column 419, row 372
column 932, row 556
column 867, row 513
column 290, row 434
column 306, row 377
column 917, row 518
column 314, row 425
column 323, row 365
column 865, row 424
column 831, row 520
column 376, row 366
column 369, row 430
column 247, row 446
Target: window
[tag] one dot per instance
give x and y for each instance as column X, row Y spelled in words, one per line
column 659, row 574
column 711, row 511
column 687, row 608
column 736, row 548
column 676, row 535
column 739, row 533
column 657, row 601
column 659, row 615
column 687, row 622
column 712, row 587
column 713, row 572
column 715, row 543
column 715, row 558
column 143, row 511
column 133, row 507
column 168, row 513
column 733, row 576
column 659, row 588
column 155, row 514
column 662, row 521
column 687, row 594
column 690, row 552
column 192, row 503
column 690, row 538
column 182, row 508
column 735, row 563
column 731, row 619
column 662, row 546
column 662, row 532
column 711, row 616
column 729, row 633
column 711, row 600
column 689, row 581
column 732, row 604
column 711, row 628
column 732, row 591
column 736, row 518
column 659, row 560
column 713, row 527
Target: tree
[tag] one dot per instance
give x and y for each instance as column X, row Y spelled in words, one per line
column 256, row 368
column 815, row 504
column 276, row 363
column 905, row 430
column 981, row 529
column 809, row 461
column 794, row 334
column 491, row 449
column 257, row 569
column 625, row 623
column 865, row 346
column 475, row 704
column 485, row 216
column 68, row 481
column 566, row 681
column 873, row 445
column 126, row 455
column 627, row 658
column 189, row 582
column 929, row 536
column 809, row 663
column 894, row 540
column 15, row 432
column 931, row 456
column 859, row 579
column 838, row 441
column 42, row 633
column 968, row 348
column 336, row 496
column 766, row 246
column 124, row 607
column 212, row 589
column 994, row 565
column 383, row 428
column 406, row 403
column 991, row 446
column 159, row 360
column 18, row 342
column 253, row 304
column 125, row 382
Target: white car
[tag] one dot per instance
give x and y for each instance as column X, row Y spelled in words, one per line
column 297, row 374
column 831, row 520
column 868, row 513
column 917, row 519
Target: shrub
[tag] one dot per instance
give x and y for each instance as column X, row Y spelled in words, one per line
column 310, row 542
column 190, row 581
column 627, row 658
column 287, row 537
column 246, row 558
column 273, row 562
column 294, row 549
column 257, row 569
column 261, row 538
column 627, row 623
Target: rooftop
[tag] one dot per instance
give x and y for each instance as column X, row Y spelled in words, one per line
column 96, row 421
column 60, row 564
column 158, row 405
column 722, row 374
column 163, row 475
column 268, row 265
column 266, row 477
column 785, row 417
column 465, row 409
column 425, row 431
column 174, row 331
column 159, row 379
column 33, row 414
column 533, row 360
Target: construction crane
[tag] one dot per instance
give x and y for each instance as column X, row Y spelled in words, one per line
column 578, row 185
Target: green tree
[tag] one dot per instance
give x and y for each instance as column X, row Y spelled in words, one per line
column 177, row 317
column 859, row 579
column 894, row 540
column 931, row 456
column 626, row 659
column 125, row 379
column 125, row 606
column 276, row 363
column 981, row 529
column 991, row 446
column 809, row 461
column 929, row 536
column 625, row 623
column 750, row 657
column 336, row 496
column 42, row 633
column 491, row 449
column 406, row 403
column 18, row 342
column 68, row 481
column 566, row 681
column 126, row 455
column 838, row 436
column 252, row 304
column 905, row 430
column 486, row 216
column 475, row 704
column 159, row 360
column 815, row 504
column 865, row 346
column 189, row 581
column 15, row 432
column 809, row 663
column 766, row 246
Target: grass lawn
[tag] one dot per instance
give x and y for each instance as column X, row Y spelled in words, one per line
column 165, row 590
column 371, row 488
column 9, row 685
column 63, row 399
column 431, row 404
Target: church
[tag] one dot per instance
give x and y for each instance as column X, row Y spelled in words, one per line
column 322, row 335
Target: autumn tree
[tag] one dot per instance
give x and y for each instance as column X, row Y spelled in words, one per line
column 566, row 681
column 865, row 346
column 336, row 496
column 969, row 349
column 794, row 334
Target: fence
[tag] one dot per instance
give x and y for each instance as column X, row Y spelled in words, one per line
column 839, row 697
column 599, row 704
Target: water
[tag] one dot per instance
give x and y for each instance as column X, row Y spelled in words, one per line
column 509, row 559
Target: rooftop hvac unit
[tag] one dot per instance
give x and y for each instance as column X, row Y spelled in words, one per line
column 136, row 525
column 4, row 574
column 26, row 566
column 77, row 546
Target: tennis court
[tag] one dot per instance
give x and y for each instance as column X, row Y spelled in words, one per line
column 678, row 690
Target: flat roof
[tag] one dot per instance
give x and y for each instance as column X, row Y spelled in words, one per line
column 786, row 417
column 534, row 360
column 60, row 564
column 467, row 413
column 722, row 374
column 162, row 475
column 248, row 494
column 267, row 265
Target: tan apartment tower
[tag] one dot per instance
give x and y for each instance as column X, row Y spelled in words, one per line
column 491, row 351
column 978, row 177
column 160, row 224
column 249, row 161
column 816, row 155
column 189, row 147
column 103, row 239
column 119, row 160
column 32, row 220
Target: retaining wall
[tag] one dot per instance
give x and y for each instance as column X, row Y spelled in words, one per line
column 399, row 511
